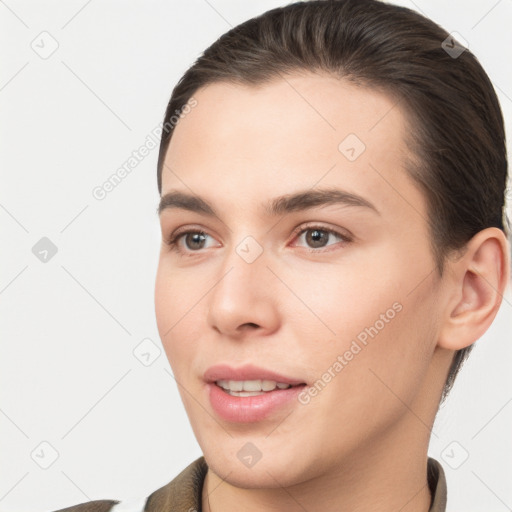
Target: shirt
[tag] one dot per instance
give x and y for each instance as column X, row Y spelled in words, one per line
column 184, row 493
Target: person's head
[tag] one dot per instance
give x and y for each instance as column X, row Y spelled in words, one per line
column 364, row 97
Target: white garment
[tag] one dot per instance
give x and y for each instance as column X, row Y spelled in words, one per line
column 130, row 505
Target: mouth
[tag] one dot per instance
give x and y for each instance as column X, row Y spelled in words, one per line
column 251, row 400
column 249, row 393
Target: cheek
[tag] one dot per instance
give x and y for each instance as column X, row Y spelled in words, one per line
column 364, row 323
column 164, row 303
column 177, row 294
column 175, row 299
column 368, row 371
column 336, row 301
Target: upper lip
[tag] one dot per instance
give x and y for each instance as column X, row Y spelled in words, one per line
column 246, row 372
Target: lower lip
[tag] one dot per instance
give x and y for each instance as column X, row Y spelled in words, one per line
column 248, row 409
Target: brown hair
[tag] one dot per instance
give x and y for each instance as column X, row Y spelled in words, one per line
column 457, row 137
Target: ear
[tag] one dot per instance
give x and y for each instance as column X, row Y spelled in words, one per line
column 476, row 286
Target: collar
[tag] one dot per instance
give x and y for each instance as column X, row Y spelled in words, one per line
column 184, row 492
column 437, row 484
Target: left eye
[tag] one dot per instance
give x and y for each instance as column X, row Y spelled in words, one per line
column 318, row 237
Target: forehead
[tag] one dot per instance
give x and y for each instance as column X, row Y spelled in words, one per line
column 289, row 133
column 322, row 102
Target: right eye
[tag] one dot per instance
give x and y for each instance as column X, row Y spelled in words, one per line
column 193, row 239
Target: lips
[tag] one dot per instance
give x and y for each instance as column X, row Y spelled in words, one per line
column 246, row 372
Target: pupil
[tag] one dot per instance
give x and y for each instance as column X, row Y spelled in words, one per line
column 316, row 238
column 195, row 238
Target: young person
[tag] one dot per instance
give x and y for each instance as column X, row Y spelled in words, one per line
column 332, row 178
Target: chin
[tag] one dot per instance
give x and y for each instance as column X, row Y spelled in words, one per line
column 276, row 469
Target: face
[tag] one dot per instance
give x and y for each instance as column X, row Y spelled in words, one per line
column 336, row 291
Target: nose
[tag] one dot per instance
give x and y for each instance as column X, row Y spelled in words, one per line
column 243, row 300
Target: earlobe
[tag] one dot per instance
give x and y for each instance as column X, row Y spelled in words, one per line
column 478, row 281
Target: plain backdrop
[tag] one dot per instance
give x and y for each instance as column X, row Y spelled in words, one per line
column 83, row 415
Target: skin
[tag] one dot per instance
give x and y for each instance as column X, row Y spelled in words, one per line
column 361, row 443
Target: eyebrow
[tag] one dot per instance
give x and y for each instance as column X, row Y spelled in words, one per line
column 298, row 201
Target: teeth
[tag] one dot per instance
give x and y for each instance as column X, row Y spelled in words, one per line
column 269, row 385
column 252, row 386
column 245, row 393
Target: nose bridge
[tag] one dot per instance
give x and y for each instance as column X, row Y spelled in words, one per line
column 242, row 294
column 243, row 270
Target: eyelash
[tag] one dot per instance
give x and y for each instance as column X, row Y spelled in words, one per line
column 173, row 240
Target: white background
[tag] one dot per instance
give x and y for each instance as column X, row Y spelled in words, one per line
column 69, row 326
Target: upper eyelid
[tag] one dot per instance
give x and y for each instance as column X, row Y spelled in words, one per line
column 186, row 231
column 315, row 225
column 301, row 227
